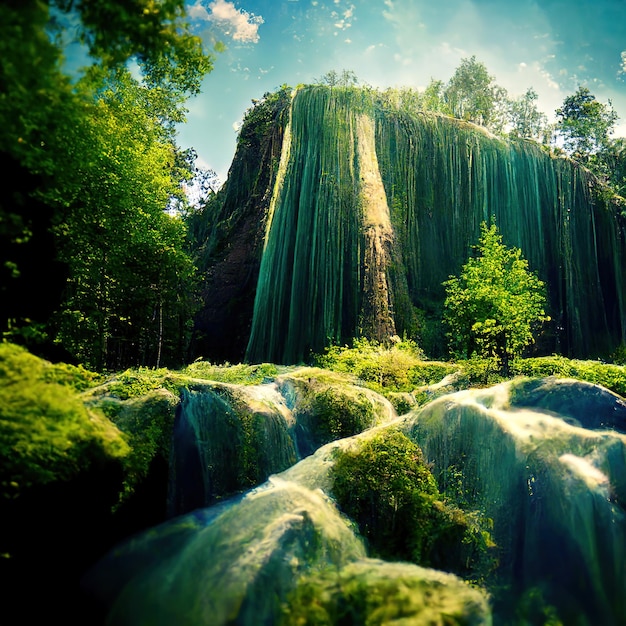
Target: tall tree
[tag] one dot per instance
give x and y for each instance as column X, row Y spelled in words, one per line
column 130, row 279
column 98, row 165
column 584, row 125
column 470, row 93
column 525, row 119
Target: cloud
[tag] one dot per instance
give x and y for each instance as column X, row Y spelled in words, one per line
column 239, row 24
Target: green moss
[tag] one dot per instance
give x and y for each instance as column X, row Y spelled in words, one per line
column 148, row 423
column 137, row 382
column 241, row 374
column 46, row 432
column 385, row 486
column 608, row 375
column 338, row 415
column 376, row 593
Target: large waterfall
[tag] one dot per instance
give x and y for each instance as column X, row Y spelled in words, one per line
column 373, row 208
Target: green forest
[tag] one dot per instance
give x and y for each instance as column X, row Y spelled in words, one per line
column 103, row 255
column 164, row 356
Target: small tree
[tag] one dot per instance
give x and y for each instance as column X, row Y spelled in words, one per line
column 493, row 308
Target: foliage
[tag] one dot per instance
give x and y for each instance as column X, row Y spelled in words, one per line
column 131, row 284
column 391, row 367
column 584, row 127
column 332, row 78
column 525, row 120
column 609, row 375
column 138, row 382
column 385, row 486
column 97, row 166
column 496, row 303
column 585, row 124
column 480, row 372
column 471, row 93
column 155, row 33
column 46, row 432
column 241, row 373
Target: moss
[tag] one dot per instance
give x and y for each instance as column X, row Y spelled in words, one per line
column 375, row 593
column 385, row 486
column 62, row 467
column 46, row 432
column 608, row 375
column 338, row 415
column 148, row 423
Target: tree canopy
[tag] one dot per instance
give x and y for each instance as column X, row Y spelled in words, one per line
column 94, row 166
column 496, row 304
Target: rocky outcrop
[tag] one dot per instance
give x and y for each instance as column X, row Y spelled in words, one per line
column 349, row 215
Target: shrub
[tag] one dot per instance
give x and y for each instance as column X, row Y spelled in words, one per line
column 494, row 307
column 397, row 367
column 608, row 375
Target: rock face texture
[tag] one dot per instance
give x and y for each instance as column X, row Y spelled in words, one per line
column 342, row 216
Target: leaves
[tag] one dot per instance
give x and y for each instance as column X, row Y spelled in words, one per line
column 494, row 306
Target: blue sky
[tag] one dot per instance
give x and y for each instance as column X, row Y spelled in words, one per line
column 551, row 45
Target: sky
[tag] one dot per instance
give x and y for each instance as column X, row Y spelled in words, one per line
column 554, row 46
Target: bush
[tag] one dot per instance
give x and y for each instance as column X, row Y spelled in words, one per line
column 241, row 373
column 397, row 367
column 496, row 304
column 608, row 375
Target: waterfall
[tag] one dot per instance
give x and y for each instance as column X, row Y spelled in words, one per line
column 374, row 208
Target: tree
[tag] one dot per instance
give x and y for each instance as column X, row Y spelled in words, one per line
column 96, row 166
column 130, row 285
column 471, row 92
column 584, row 125
column 614, row 161
column 525, row 120
column 493, row 308
column 332, row 78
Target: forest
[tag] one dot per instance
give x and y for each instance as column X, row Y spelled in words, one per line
column 102, row 250
column 295, row 370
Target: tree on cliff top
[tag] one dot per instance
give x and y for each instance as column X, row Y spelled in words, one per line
column 493, row 308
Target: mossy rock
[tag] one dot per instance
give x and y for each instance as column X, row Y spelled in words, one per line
column 375, row 592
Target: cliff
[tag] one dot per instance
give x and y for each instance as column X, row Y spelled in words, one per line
column 348, row 215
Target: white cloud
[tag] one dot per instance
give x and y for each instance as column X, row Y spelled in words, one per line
column 239, row 24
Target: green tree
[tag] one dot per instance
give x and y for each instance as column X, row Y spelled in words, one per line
column 130, row 286
column 524, row 119
column 494, row 307
column 94, row 166
column 433, row 98
column 471, row 93
column 614, row 161
column 584, row 124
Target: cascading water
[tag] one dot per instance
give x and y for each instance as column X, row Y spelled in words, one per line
column 543, row 459
column 329, row 273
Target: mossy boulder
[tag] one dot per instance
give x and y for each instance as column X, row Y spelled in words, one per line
column 62, row 469
column 375, row 592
